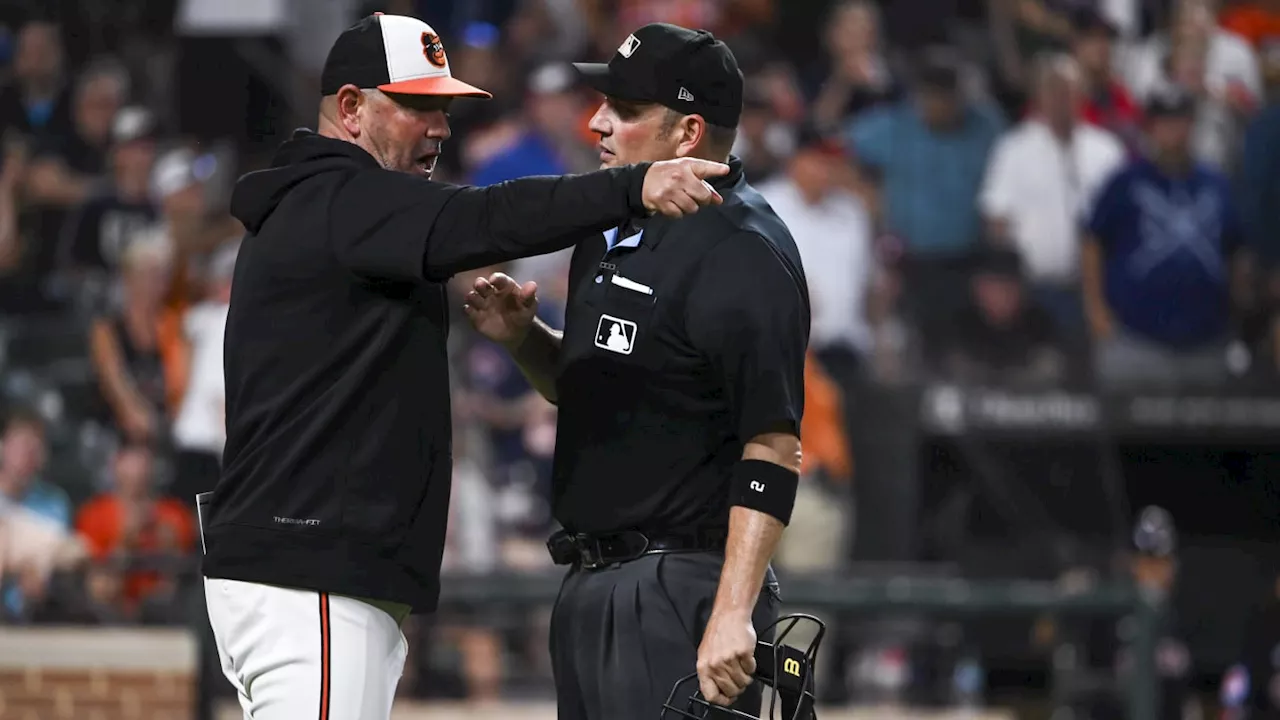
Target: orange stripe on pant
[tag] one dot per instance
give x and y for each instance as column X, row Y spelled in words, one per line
column 325, row 665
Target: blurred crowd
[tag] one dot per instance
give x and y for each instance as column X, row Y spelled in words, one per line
column 1036, row 193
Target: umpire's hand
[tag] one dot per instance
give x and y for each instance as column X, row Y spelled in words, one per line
column 676, row 188
column 726, row 657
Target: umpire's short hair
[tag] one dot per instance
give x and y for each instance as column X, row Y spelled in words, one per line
column 720, row 139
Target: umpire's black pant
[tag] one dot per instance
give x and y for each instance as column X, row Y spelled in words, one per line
column 623, row 635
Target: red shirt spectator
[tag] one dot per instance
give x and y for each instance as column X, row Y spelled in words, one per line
column 130, row 521
column 1114, row 109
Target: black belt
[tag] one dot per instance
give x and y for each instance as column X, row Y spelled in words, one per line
column 597, row 551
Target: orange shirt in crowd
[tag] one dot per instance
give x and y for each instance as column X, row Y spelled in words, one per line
column 175, row 355
column 101, row 523
column 823, row 439
column 1254, row 23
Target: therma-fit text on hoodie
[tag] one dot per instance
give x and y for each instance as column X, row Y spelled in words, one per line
column 337, row 464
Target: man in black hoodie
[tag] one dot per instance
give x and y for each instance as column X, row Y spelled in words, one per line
column 327, row 525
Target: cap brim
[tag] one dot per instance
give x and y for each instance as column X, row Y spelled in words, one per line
column 444, row 86
column 598, row 78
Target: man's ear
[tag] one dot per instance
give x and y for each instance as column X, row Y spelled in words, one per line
column 350, row 99
column 692, row 131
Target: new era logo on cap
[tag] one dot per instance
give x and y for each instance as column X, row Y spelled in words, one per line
column 685, row 95
column 395, row 54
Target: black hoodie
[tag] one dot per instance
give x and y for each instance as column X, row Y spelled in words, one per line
column 337, row 465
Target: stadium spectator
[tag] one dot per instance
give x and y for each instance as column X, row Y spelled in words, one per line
column 548, row 137
column 1021, row 29
column 926, row 157
column 856, row 75
column 135, row 530
column 545, row 139
column 821, row 515
column 765, row 140
column 1160, row 262
column 833, row 232
column 119, row 212
column 193, row 232
column 187, row 222
column 822, row 518
column 125, row 346
column 23, row 453
column 32, row 548
column 1040, row 179
column 906, row 146
column 478, row 56
column 64, row 166
column 199, row 431
column 36, row 100
column 1001, row 336
column 1107, row 102
column 1258, row 21
column 1215, row 65
column 517, row 421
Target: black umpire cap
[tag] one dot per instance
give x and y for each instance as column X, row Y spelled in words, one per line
column 689, row 71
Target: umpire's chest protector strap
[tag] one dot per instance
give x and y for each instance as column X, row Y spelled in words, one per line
column 764, row 486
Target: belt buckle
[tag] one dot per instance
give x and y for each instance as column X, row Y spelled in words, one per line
column 586, row 544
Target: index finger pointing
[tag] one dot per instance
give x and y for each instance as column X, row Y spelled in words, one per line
column 707, row 168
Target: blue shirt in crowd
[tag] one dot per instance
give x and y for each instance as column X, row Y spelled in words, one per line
column 51, row 503
column 930, row 179
column 530, row 155
column 1166, row 244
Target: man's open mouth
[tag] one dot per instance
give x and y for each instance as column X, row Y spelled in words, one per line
column 427, row 162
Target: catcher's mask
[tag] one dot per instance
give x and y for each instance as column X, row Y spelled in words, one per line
column 787, row 669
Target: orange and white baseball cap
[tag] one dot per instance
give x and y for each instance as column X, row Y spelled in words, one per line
column 395, row 54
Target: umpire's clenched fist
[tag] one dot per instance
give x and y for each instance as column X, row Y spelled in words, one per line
column 676, row 188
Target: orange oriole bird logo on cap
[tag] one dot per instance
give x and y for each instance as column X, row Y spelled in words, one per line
column 433, row 49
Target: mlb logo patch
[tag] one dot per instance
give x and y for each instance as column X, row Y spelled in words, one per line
column 616, row 335
column 628, row 46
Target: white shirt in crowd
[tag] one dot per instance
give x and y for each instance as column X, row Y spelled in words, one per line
column 1041, row 189
column 834, row 238
column 201, row 424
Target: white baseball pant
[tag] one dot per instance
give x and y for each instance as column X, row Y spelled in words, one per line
column 300, row 654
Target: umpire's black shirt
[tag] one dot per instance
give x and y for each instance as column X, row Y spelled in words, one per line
column 337, row 465
column 680, row 345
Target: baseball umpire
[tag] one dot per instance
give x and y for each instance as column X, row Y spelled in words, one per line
column 679, row 381
column 327, row 525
